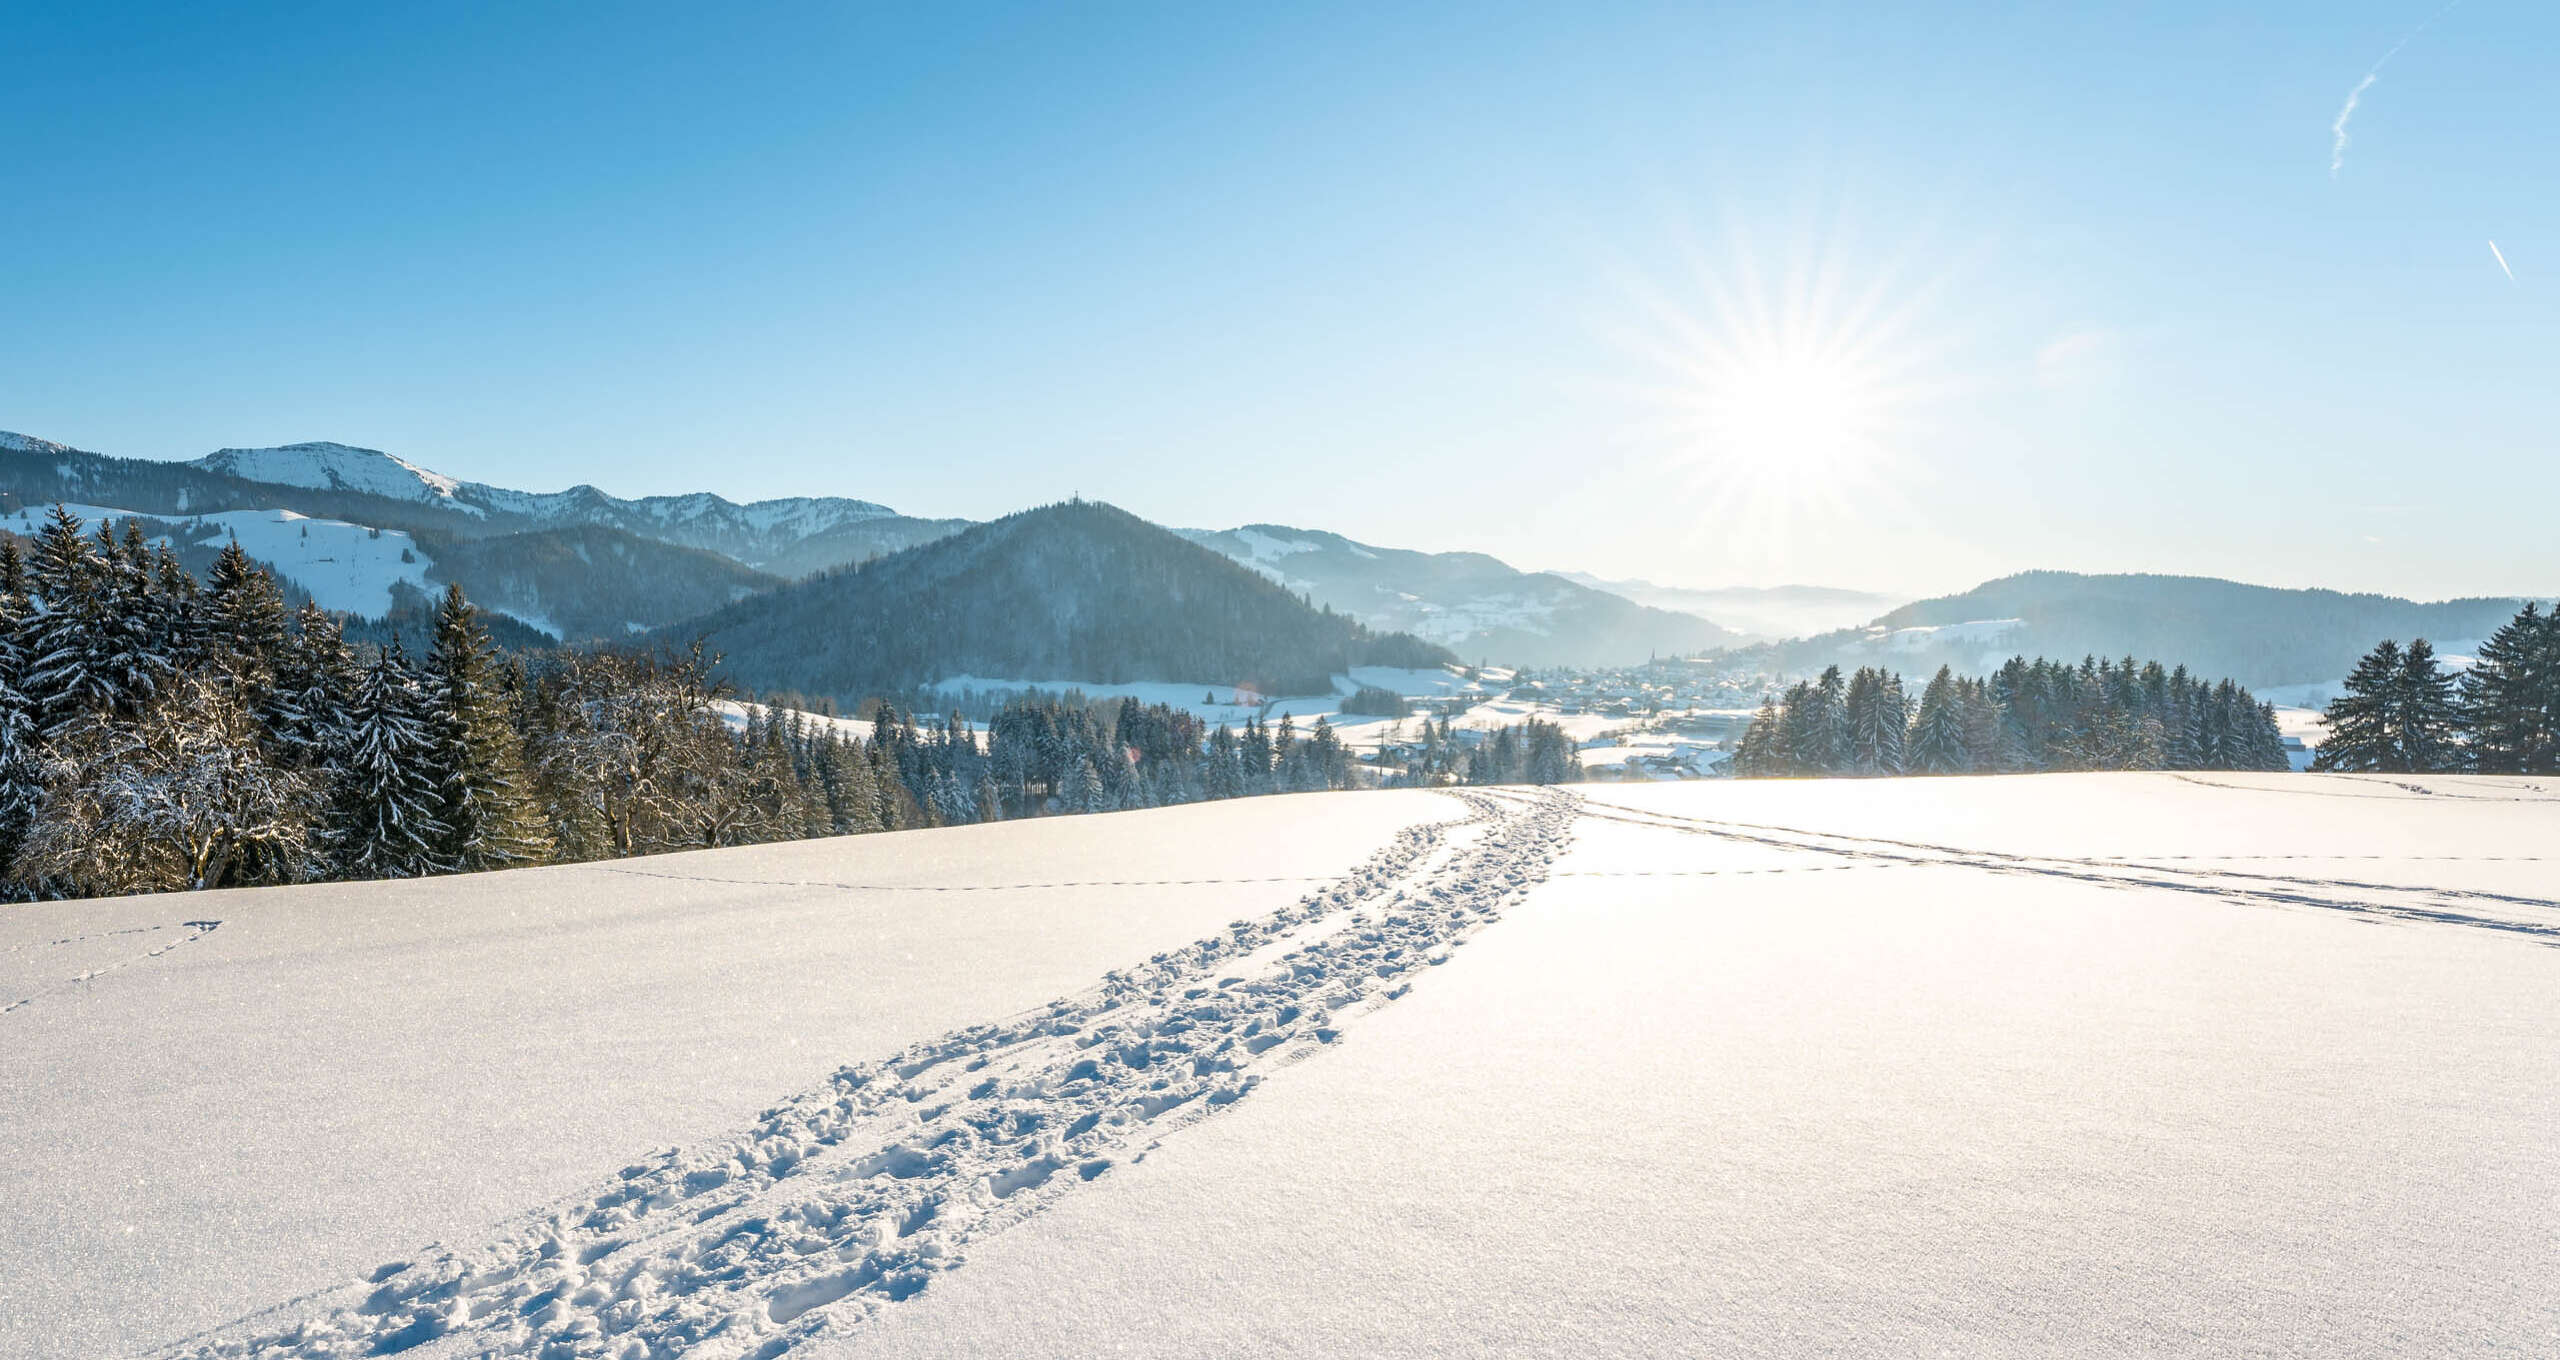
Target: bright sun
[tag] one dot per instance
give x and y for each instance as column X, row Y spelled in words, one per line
column 1793, row 407
column 1784, row 403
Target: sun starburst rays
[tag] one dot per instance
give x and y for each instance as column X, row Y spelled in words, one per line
column 1786, row 401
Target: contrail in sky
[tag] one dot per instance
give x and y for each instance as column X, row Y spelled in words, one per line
column 2502, row 260
column 2338, row 125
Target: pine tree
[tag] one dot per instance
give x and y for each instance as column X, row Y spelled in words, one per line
column 2511, row 696
column 1085, row 792
column 2429, row 720
column 244, row 619
column 1222, row 773
column 1826, row 746
column 485, row 804
column 315, row 681
column 2359, row 719
column 66, row 681
column 384, row 822
column 21, row 772
column 850, row 795
column 129, row 649
column 1759, row 755
column 1876, row 718
column 1993, row 740
column 1937, row 735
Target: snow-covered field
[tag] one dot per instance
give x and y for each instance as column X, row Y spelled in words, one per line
column 2073, row 1064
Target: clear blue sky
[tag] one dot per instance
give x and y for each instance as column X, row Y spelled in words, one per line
column 2031, row 288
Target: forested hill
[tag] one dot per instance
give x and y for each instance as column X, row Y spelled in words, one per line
column 1076, row 591
column 2259, row 635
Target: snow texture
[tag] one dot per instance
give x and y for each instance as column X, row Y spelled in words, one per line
column 855, row 1195
column 340, row 1074
column 2075, row 1064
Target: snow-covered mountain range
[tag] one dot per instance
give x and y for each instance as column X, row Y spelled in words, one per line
column 489, row 537
column 761, row 534
column 1475, row 605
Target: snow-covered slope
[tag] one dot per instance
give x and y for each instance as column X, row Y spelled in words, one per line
column 325, row 466
column 27, row 443
column 2009, row 1067
column 349, row 568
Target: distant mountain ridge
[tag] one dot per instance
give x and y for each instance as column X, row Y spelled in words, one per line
column 585, row 565
column 2261, row 636
column 769, row 535
column 1761, row 613
column 1477, row 606
column 1079, row 591
column 576, row 581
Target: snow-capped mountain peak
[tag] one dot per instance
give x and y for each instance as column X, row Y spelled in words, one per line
column 27, row 443
column 326, row 466
column 755, row 533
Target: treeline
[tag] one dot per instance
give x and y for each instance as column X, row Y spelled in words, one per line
column 1532, row 752
column 2026, row 716
column 157, row 733
column 2402, row 713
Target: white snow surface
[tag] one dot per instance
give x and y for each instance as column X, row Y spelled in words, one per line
column 207, row 1121
column 346, row 567
column 349, row 568
column 735, row 714
column 1266, row 547
column 2071, row 1064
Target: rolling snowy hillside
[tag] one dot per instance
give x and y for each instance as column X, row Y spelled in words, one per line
column 2118, row 1065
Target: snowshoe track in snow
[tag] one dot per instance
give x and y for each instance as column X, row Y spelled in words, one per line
column 854, row 1196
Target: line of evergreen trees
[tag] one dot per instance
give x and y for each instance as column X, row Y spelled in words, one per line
column 2402, row 713
column 1531, row 752
column 2028, row 715
column 157, row 733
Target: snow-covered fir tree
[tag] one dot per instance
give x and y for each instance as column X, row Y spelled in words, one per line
column 1937, row 735
column 2510, row 698
column 485, row 803
column 383, row 821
